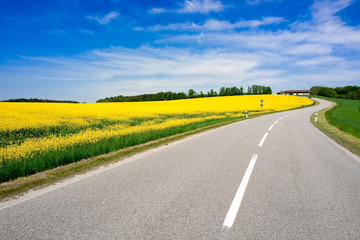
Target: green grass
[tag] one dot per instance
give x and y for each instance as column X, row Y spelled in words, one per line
column 348, row 139
column 345, row 116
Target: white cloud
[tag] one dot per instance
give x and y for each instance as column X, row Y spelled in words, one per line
column 106, row 18
column 310, row 48
column 201, row 6
column 157, row 10
column 327, row 60
column 193, row 6
column 327, row 28
column 216, row 25
column 85, row 31
column 324, row 11
column 174, row 27
column 323, row 34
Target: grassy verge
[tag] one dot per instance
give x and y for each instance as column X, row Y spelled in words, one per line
column 343, row 138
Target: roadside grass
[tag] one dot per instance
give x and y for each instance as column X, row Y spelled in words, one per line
column 343, row 138
column 345, row 116
column 44, row 178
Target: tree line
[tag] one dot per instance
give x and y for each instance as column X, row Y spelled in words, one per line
column 161, row 96
column 39, row 100
column 347, row 92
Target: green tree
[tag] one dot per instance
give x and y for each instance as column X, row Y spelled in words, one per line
column 234, row 91
column 358, row 94
column 192, row 93
column 241, row 91
column 268, row 90
column 351, row 95
column 314, row 90
column 327, row 92
column 222, row 91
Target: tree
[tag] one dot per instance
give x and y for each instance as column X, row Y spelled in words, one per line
column 314, row 90
column 227, row 92
column 268, row 90
column 327, row 92
column 222, row 91
column 211, row 93
column 241, row 91
column 249, row 90
column 192, row 93
column 358, row 93
column 351, row 95
column 234, row 91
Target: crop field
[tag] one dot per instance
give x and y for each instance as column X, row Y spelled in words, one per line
column 39, row 136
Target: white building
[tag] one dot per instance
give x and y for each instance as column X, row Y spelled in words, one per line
column 295, row 92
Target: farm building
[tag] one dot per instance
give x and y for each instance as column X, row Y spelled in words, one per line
column 295, row 92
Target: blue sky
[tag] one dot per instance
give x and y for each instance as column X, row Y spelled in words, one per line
column 87, row 50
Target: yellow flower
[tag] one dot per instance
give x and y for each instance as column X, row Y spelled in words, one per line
column 57, row 126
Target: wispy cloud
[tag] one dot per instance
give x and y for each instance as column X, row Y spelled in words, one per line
column 106, row 18
column 216, row 25
column 85, row 31
column 324, row 11
column 201, row 6
column 326, row 27
column 157, row 10
column 193, row 6
column 324, row 33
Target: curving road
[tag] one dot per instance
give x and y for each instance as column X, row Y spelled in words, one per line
column 272, row 177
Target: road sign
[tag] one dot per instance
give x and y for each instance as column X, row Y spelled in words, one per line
column 261, row 105
column 261, row 100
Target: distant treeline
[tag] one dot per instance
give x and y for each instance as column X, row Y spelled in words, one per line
column 38, row 100
column 347, row 92
column 161, row 96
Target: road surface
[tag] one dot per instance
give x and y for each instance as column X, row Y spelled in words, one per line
column 272, row 177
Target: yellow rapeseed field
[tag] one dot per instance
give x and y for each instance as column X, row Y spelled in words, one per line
column 32, row 129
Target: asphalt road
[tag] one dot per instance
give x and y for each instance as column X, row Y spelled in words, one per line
column 272, row 177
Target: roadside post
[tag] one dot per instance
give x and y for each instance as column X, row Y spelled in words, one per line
column 246, row 113
column 316, row 116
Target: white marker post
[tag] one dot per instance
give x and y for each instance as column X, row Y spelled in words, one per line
column 316, row 116
column 246, row 113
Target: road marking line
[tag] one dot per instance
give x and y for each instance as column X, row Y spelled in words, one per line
column 263, row 140
column 235, row 205
column 277, row 121
column 271, row 127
